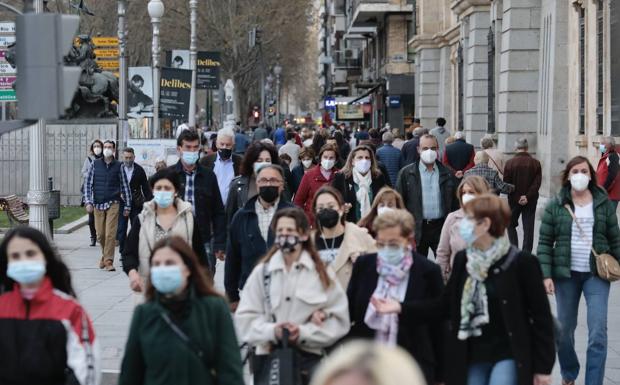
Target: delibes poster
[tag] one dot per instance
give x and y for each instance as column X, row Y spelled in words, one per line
column 175, row 87
column 208, row 70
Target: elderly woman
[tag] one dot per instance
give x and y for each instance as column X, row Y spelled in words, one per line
column 450, row 241
column 481, row 168
column 386, row 286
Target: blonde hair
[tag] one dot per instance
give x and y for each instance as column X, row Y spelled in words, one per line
column 396, row 218
column 372, row 214
column 481, row 157
column 477, row 183
column 382, row 365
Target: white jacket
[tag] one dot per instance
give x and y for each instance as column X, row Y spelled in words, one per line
column 295, row 296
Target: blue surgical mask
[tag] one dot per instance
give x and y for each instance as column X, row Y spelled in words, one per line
column 602, row 148
column 163, row 198
column 259, row 165
column 467, row 231
column 26, row 272
column 167, row 279
column 391, row 255
column 190, row 157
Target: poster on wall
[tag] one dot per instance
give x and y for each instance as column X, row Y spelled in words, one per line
column 208, row 70
column 175, row 88
column 150, row 151
column 140, row 92
column 177, row 58
column 350, row 112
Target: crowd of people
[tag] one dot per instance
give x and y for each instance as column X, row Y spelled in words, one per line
column 326, row 237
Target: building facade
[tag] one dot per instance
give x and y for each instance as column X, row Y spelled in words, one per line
column 512, row 68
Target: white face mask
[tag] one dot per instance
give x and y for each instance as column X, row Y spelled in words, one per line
column 327, row 164
column 428, row 156
column 307, row 163
column 362, row 166
column 97, row 150
column 107, row 152
column 579, row 181
column 467, row 197
column 383, row 209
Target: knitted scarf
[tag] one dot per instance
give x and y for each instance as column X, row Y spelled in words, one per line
column 363, row 183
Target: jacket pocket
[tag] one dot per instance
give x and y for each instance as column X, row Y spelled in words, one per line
column 310, row 296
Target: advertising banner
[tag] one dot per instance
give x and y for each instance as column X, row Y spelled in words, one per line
column 140, row 93
column 208, row 70
column 175, row 87
column 350, row 112
column 150, row 151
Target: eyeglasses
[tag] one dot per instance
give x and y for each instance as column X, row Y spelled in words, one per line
column 269, row 181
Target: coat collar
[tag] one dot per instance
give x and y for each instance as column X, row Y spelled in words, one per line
column 599, row 196
column 277, row 261
column 45, row 292
column 352, row 235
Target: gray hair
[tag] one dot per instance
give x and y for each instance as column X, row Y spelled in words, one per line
column 521, row 144
column 459, row 135
column 226, row 132
column 487, row 142
column 272, row 166
column 609, row 140
column 388, row 137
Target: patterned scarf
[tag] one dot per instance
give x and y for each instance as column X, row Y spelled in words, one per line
column 474, row 302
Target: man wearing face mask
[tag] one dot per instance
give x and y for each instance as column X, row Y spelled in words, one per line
column 199, row 187
column 428, row 189
column 104, row 188
column 224, row 163
column 249, row 235
column 140, row 193
column 607, row 169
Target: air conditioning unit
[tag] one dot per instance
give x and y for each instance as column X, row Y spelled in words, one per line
column 351, row 53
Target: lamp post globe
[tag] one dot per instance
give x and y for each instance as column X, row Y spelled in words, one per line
column 156, row 9
column 277, row 69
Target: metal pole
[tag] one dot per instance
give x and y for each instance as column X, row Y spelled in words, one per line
column 277, row 120
column 38, row 195
column 155, row 51
column 122, row 127
column 193, row 4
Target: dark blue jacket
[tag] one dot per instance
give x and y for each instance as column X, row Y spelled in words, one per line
column 410, row 151
column 107, row 181
column 297, row 175
column 279, row 136
column 245, row 247
column 391, row 157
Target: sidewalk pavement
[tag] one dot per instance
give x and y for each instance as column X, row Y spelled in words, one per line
column 109, row 301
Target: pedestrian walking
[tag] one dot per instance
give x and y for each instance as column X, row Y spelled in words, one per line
column 249, row 235
column 291, row 149
column 441, row 133
column 343, row 145
column 410, row 148
column 95, row 152
column 279, row 137
column 198, row 186
column 292, row 289
column 525, row 173
column 579, row 223
column 306, row 162
column 106, row 185
column 317, row 177
column 224, row 163
column 337, row 241
column 398, row 142
column 162, row 217
column 242, row 141
column 386, row 200
column 500, row 323
column 483, row 169
column 140, row 193
column 391, row 157
column 260, row 133
column 386, row 285
column 450, row 240
column 497, row 159
column 607, row 169
column 428, row 189
column 459, row 156
column 184, row 333
column 361, row 135
column 359, row 182
column 46, row 337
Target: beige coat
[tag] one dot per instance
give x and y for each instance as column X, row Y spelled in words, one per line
column 497, row 160
column 450, row 242
column 295, row 296
column 356, row 242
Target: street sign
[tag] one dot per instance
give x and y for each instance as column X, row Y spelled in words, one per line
column 7, row 27
column 107, row 53
column 105, row 41
column 6, row 82
column 108, row 64
column 8, row 96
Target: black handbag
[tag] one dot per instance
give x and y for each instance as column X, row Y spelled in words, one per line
column 280, row 367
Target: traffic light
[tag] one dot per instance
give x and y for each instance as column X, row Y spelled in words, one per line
column 258, row 36
column 272, row 111
column 45, row 86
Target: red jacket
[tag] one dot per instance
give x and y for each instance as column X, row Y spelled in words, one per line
column 312, row 181
column 607, row 174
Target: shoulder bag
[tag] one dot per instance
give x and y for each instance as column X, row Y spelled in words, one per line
column 607, row 266
column 185, row 338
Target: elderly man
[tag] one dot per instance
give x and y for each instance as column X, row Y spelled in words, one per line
column 224, row 163
column 459, row 156
column 390, row 157
column 410, row 148
column 483, row 169
column 607, row 169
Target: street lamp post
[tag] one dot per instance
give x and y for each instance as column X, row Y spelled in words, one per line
column 267, row 90
column 193, row 4
column 156, row 12
column 122, row 134
column 277, row 70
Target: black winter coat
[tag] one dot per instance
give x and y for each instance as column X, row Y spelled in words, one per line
column 208, row 162
column 346, row 186
column 422, row 339
column 140, row 188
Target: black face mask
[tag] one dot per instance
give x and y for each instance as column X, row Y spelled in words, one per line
column 225, row 153
column 287, row 243
column 269, row 193
column 328, row 218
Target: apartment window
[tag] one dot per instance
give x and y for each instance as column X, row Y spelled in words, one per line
column 461, row 99
column 582, row 72
column 600, row 67
column 491, row 79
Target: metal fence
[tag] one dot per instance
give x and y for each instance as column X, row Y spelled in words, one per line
column 67, row 148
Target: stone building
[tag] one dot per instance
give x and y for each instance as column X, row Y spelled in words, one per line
column 535, row 68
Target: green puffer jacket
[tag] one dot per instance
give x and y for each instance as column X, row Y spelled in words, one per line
column 554, row 244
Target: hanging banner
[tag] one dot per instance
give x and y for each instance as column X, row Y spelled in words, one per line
column 140, row 92
column 350, row 112
column 177, row 58
column 208, row 70
column 175, row 88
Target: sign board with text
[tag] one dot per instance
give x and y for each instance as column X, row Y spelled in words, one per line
column 350, row 112
column 208, row 70
column 175, row 87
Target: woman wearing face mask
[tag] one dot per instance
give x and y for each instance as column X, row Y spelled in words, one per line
column 302, row 296
column 306, row 157
column 385, row 286
column 359, row 182
column 386, row 200
column 183, row 334
column 46, row 337
column 566, row 253
column 316, row 178
column 243, row 187
column 338, row 242
column 96, row 152
column 450, row 242
column 164, row 216
column 500, row 324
